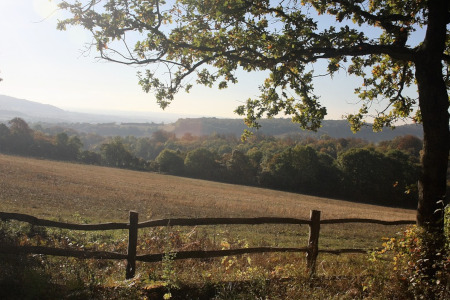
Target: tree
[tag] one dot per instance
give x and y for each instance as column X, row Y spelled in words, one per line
column 406, row 173
column 43, row 146
column 170, row 161
column 296, row 169
column 408, row 143
column 4, row 137
column 21, row 136
column 382, row 179
column 162, row 136
column 115, row 154
column 201, row 163
column 67, row 148
column 214, row 39
column 239, row 168
column 90, row 158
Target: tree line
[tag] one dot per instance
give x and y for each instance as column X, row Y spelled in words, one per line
column 348, row 168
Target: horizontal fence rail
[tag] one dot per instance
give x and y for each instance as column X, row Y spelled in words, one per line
column 311, row 249
column 41, row 222
column 222, row 221
column 191, row 222
column 369, row 221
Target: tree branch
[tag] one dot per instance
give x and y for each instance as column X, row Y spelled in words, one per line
column 357, row 50
column 384, row 20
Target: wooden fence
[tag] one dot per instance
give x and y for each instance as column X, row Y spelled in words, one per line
column 312, row 249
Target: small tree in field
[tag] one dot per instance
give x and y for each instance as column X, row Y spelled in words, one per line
column 212, row 39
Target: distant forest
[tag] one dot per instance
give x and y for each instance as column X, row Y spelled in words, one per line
column 208, row 126
column 348, row 168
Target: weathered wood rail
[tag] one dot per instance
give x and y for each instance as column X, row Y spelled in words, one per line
column 312, row 249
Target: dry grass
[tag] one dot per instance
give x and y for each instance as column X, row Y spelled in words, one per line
column 74, row 192
column 70, row 192
column 59, row 190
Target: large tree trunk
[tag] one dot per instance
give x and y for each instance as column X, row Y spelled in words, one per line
column 434, row 104
column 433, row 180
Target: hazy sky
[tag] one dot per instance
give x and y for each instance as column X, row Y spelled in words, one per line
column 42, row 64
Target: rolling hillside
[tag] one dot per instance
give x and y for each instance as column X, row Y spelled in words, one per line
column 142, row 124
column 56, row 190
column 33, row 112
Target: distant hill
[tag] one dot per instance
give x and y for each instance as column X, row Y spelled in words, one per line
column 33, row 112
column 141, row 124
column 285, row 128
column 12, row 107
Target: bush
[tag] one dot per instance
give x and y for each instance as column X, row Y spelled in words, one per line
column 22, row 276
column 420, row 264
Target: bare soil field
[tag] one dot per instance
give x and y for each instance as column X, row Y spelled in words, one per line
column 59, row 190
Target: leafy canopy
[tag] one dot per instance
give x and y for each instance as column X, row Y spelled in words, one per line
column 213, row 39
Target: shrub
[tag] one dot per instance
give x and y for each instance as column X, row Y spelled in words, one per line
column 22, row 276
column 420, row 264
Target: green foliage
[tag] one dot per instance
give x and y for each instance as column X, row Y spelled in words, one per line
column 415, row 264
column 90, row 158
column 380, row 177
column 201, row 163
column 4, row 136
column 215, row 39
column 148, row 149
column 239, row 168
column 20, row 139
column 266, row 276
column 115, row 154
column 170, row 161
column 409, row 143
column 68, row 148
column 295, row 168
column 347, row 168
column 21, row 136
column 412, row 269
column 169, row 274
column 22, row 276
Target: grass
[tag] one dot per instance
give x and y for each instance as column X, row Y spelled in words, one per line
column 61, row 190
column 90, row 194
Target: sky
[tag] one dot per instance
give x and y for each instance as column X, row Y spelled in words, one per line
column 40, row 63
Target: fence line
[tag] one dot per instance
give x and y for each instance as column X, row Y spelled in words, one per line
column 191, row 222
column 312, row 249
column 42, row 222
column 369, row 221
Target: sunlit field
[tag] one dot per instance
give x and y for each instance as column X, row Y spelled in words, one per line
column 90, row 194
column 52, row 189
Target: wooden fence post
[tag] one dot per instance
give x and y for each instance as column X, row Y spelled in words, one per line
column 313, row 243
column 132, row 245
